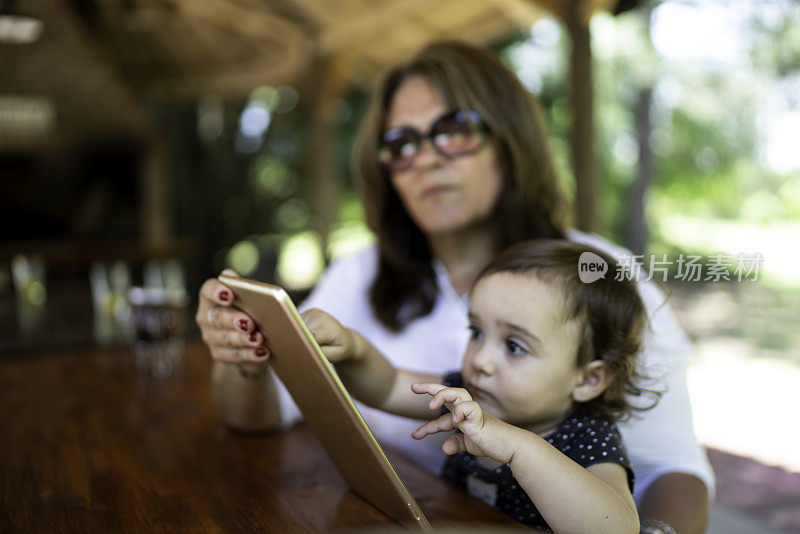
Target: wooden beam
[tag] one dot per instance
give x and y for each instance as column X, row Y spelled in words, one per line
column 254, row 21
column 234, row 80
column 592, row 7
column 557, row 8
column 522, row 12
column 236, row 83
column 323, row 13
column 357, row 33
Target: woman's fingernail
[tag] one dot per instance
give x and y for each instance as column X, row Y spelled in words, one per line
column 260, row 351
column 253, row 336
column 243, row 324
column 223, row 296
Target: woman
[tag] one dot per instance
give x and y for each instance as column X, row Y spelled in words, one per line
column 453, row 164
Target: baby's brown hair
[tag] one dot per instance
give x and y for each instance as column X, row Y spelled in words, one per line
column 612, row 314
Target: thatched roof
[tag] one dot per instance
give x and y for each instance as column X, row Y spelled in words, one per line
column 97, row 61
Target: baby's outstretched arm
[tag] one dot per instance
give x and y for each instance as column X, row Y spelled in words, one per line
column 364, row 371
column 571, row 498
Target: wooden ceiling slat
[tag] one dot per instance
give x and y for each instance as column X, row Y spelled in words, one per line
column 451, row 14
column 521, row 12
column 489, row 31
column 323, row 14
column 208, row 55
column 184, row 44
column 556, row 7
column 172, row 50
column 235, row 81
column 357, row 33
column 257, row 23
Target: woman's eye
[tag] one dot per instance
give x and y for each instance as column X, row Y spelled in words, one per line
column 442, row 138
column 408, row 149
column 515, row 348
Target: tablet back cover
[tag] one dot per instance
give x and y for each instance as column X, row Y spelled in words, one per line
column 327, row 407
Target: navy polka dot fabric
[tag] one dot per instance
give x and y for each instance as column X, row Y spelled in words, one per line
column 587, row 438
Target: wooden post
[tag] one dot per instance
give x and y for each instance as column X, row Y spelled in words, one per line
column 581, row 96
column 636, row 232
column 325, row 86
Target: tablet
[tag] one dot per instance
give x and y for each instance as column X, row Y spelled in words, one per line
column 327, row 407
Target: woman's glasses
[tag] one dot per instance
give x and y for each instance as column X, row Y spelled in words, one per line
column 455, row 133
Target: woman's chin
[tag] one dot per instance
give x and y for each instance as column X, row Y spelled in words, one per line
column 443, row 225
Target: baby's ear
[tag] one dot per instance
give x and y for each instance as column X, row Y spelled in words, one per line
column 592, row 381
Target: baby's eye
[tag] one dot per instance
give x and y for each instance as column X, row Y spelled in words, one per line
column 474, row 332
column 515, row 348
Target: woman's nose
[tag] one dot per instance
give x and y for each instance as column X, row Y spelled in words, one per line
column 427, row 156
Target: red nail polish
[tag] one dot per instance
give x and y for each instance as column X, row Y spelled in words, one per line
column 243, row 324
column 260, row 351
column 253, row 336
column 224, row 296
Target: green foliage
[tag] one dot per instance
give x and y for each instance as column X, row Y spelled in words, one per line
column 776, row 47
column 707, row 128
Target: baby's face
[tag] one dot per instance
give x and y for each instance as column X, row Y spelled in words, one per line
column 521, row 360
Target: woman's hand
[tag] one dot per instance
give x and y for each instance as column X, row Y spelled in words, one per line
column 230, row 334
column 482, row 434
column 338, row 343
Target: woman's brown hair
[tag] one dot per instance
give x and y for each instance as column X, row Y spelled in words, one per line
column 610, row 309
column 530, row 205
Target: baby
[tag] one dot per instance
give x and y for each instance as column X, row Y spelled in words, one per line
column 545, row 373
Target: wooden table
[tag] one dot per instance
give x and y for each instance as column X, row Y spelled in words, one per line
column 87, row 444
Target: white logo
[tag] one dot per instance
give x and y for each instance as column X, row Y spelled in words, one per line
column 591, row 267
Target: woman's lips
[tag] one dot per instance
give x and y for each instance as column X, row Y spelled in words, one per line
column 436, row 190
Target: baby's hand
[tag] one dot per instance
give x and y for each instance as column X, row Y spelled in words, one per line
column 482, row 434
column 336, row 341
